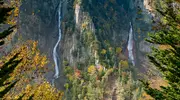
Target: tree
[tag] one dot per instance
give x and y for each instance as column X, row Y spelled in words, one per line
column 4, row 14
column 7, row 68
column 27, row 76
column 167, row 60
column 22, row 70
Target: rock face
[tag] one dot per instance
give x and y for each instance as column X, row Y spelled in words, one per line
column 87, row 26
column 38, row 21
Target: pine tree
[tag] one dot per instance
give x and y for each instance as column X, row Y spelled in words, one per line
column 4, row 14
column 7, row 68
column 167, row 60
column 5, row 71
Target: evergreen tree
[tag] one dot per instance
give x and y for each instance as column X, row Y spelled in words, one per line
column 167, row 60
column 7, row 68
column 5, row 71
column 4, row 14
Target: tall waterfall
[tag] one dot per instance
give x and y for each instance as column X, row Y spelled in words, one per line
column 55, row 54
column 130, row 46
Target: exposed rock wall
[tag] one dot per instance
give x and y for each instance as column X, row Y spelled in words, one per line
column 85, row 27
column 113, row 26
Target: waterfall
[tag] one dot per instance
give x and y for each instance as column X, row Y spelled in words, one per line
column 55, row 54
column 130, row 46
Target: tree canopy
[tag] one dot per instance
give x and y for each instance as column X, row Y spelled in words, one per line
column 167, row 60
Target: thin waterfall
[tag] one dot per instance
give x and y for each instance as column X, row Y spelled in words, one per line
column 55, row 54
column 130, row 46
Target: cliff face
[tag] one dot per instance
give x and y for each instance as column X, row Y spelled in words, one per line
column 104, row 21
column 88, row 27
column 38, row 21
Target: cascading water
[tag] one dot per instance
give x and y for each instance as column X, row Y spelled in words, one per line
column 130, row 46
column 55, row 54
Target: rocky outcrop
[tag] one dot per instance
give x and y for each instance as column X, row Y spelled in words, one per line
column 145, row 47
column 86, row 27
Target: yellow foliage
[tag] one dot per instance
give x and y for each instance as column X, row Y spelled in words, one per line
column 103, row 51
column 44, row 61
column 164, row 47
column 145, row 96
column 118, row 50
column 70, row 77
column 16, row 12
column 12, row 19
column 30, row 68
column 84, row 25
column 46, row 92
column 124, row 63
column 42, row 91
column 91, row 69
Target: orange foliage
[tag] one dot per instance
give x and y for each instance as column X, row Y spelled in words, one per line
column 77, row 73
column 156, row 82
column 164, row 47
column 145, row 96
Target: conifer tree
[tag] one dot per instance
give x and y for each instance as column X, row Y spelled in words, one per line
column 7, row 68
column 24, row 60
column 167, row 60
column 5, row 71
column 4, row 14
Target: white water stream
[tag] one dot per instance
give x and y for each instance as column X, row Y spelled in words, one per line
column 130, row 46
column 55, row 54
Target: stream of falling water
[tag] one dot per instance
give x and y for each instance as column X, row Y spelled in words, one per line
column 130, row 46
column 55, row 54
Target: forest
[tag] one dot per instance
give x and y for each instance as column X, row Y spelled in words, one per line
column 89, row 49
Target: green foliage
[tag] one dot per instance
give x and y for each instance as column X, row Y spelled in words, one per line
column 167, row 60
column 98, row 82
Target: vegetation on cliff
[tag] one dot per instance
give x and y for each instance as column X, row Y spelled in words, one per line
column 98, row 83
column 8, row 67
column 166, row 58
column 101, row 70
column 21, row 70
column 28, row 72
